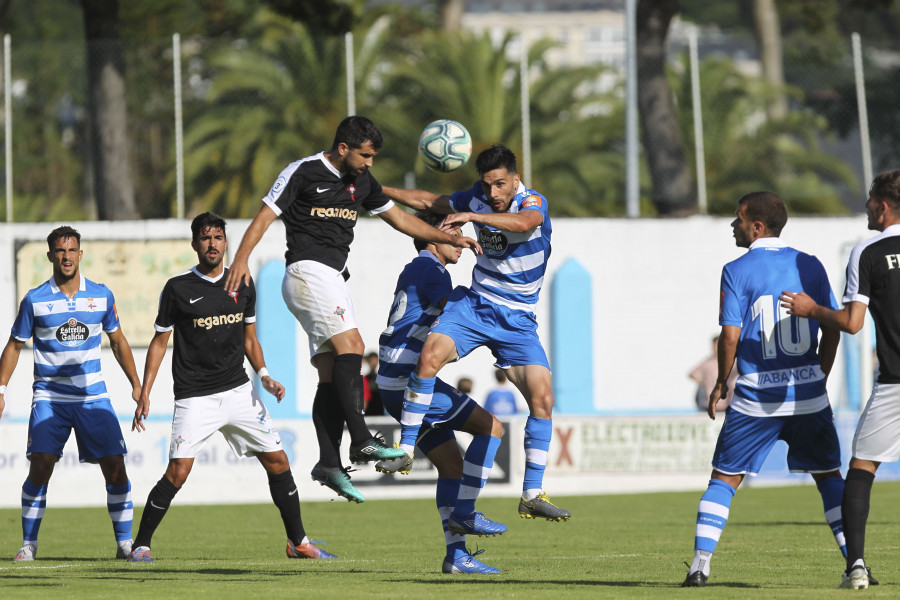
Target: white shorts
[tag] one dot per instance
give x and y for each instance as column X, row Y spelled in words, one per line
column 319, row 299
column 877, row 436
column 238, row 413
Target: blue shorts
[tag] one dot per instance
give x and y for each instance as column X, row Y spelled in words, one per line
column 744, row 442
column 449, row 411
column 471, row 321
column 96, row 426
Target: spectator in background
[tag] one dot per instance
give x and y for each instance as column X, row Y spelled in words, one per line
column 501, row 400
column 372, row 396
column 464, row 385
column 705, row 375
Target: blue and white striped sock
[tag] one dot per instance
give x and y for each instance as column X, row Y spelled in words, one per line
column 416, row 401
column 832, row 491
column 537, row 445
column 34, row 503
column 479, row 461
column 121, row 509
column 445, row 496
column 712, row 515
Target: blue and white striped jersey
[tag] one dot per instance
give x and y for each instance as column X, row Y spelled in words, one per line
column 777, row 363
column 66, row 341
column 511, row 270
column 422, row 284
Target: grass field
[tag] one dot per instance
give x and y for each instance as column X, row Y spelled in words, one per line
column 776, row 545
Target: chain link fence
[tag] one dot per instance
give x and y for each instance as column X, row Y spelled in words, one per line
column 253, row 105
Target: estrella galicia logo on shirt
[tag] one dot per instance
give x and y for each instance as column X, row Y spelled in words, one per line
column 72, row 333
column 492, row 242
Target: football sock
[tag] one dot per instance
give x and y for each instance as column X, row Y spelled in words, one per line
column 537, row 445
column 287, row 498
column 479, row 460
column 445, row 496
column 328, row 420
column 416, row 401
column 348, row 386
column 121, row 509
column 158, row 502
column 832, row 491
column 34, row 503
column 855, row 511
column 712, row 515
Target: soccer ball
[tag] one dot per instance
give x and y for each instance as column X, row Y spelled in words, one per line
column 445, row 145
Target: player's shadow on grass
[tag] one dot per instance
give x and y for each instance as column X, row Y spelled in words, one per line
column 583, row 582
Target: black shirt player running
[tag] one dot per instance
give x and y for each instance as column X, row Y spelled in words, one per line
column 319, row 199
column 214, row 329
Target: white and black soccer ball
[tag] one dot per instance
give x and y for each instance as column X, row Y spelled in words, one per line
column 445, row 145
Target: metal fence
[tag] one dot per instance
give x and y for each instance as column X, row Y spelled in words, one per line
column 210, row 123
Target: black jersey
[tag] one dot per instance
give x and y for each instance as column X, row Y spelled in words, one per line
column 319, row 208
column 873, row 278
column 209, row 332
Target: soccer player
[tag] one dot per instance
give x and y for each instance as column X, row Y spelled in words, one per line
column 422, row 290
column 319, row 198
column 497, row 311
column 214, row 329
column 780, row 390
column 873, row 281
column 65, row 317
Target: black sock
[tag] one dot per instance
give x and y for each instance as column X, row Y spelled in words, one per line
column 329, row 423
column 157, row 504
column 286, row 496
column 855, row 512
column 348, row 385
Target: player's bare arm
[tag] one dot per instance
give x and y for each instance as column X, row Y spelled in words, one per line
column 121, row 350
column 419, row 200
column 8, row 361
column 239, row 271
column 402, row 221
column 828, row 346
column 520, row 222
column 156, row 351
column 253, row 351
column 850, row 318
column 726, row 352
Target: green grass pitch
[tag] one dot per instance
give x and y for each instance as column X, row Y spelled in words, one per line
column 776, row 545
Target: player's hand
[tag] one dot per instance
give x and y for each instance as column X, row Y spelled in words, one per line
column 140, row 413
column 467, row 242
column 799, row 304
column 238, row 273
column 719, row 392
column 454, row 220
column 273, row 387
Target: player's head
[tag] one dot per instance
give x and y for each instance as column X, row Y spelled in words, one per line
column 208, row 240
column 759, row 214
column 885, row 189
column 500, row 375
column 499, row 176
column 446, row 253
column 64, row 244
column 356, row 142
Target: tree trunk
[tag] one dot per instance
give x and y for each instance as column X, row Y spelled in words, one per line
column 451, row 12
column 108, row 114
column 673, row 186
column 768, row 36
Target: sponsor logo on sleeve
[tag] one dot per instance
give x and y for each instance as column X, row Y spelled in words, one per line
column 531, row 201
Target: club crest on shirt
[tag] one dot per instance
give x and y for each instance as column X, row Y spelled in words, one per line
column 492, row 242
column 233, row 294
column 72, row 333
column 91, row 305
column 340, row 312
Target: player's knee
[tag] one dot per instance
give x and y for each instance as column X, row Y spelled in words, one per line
column 496, row 427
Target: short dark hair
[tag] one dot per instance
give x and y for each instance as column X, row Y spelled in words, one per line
column 62, row 232
column 886, row 186
column 432, row 219
column 496, row 157
column 767, row 207
column 205, row 221
column 356, row 131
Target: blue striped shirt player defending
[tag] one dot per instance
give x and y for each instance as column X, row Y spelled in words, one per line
column 65, row 318
column 780, row 390
column 513, row 227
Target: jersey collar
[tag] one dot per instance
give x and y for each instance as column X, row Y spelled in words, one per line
column 768, row 242
column 55, row 288
column 207, row 277
column 328, row 165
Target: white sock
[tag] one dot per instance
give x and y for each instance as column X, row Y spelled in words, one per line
column 701, row 562
column 531, row 494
